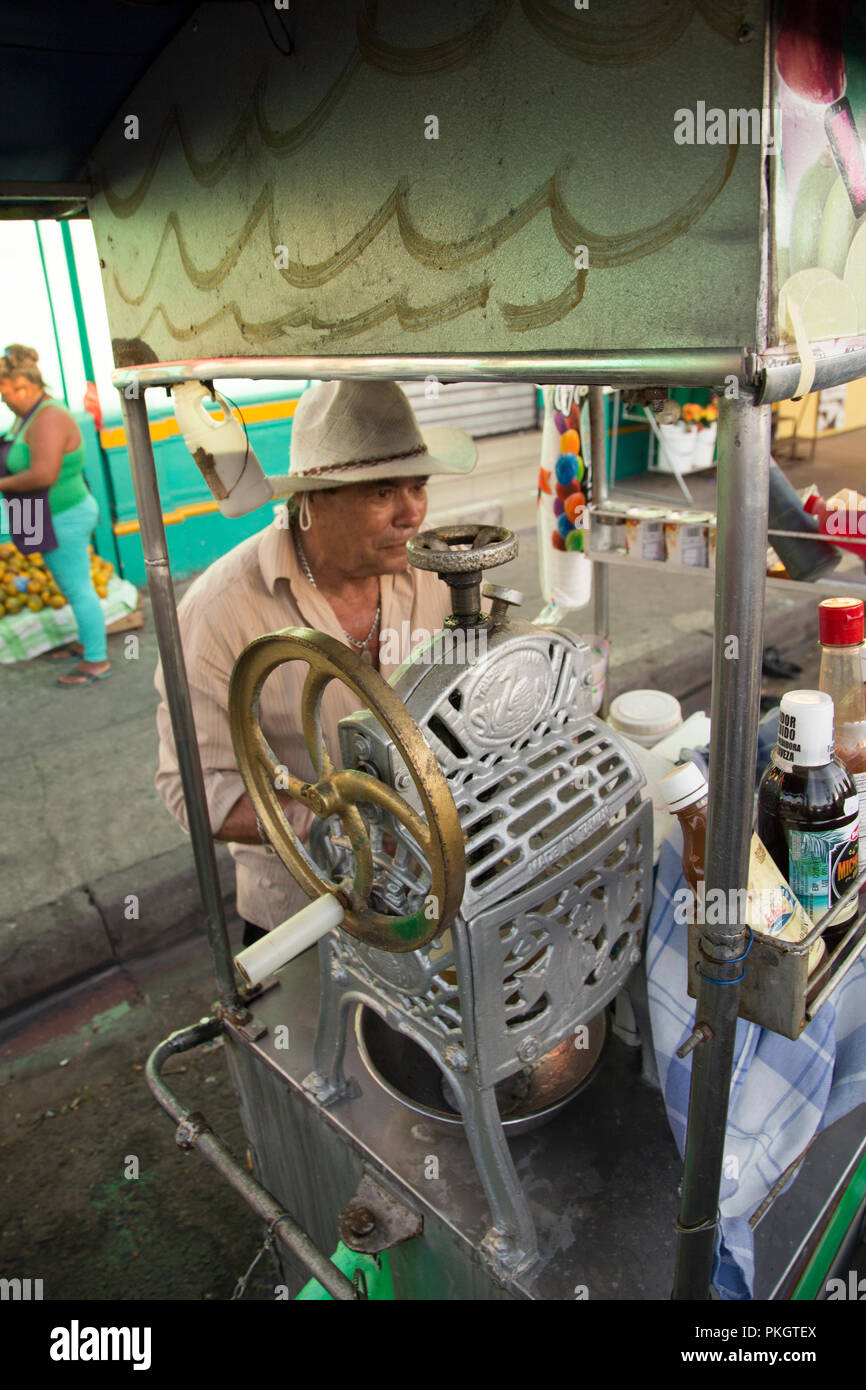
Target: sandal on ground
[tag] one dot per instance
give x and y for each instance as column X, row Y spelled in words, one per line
column 87, row 678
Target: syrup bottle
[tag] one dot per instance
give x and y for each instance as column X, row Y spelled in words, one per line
column 840, row 629
column 809, row 810
column 686, row 792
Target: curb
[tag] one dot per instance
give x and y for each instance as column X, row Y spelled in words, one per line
column 129, row 913
column 684, row 675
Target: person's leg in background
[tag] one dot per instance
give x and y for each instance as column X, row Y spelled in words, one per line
column 69, row 563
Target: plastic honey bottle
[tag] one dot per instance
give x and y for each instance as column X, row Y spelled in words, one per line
column 840, row 630
column 809, row 810
column 686, row 792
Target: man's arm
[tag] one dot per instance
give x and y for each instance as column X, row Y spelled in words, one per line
column 209, row 661
column 240, row 826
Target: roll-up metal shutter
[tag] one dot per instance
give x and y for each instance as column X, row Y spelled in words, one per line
column 479, row 407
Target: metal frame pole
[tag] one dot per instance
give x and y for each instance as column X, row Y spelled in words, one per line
column 598, row 460
column 743, row 495
column 161, row 589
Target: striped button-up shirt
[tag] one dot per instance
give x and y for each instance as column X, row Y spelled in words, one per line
column 259, row 587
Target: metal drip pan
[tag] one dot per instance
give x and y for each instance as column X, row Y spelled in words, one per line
column 526, row 1100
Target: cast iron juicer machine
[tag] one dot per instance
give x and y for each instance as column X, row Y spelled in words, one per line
column 488, row 846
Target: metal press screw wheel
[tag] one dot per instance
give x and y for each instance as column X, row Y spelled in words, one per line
column 340, row 792
column 443, row 550
column 488, row 546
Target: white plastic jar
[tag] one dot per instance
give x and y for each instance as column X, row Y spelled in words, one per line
column 645, row 716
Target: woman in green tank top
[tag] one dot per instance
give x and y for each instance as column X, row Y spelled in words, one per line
column 48, row 452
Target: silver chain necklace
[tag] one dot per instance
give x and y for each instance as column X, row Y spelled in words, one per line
column 353, row 641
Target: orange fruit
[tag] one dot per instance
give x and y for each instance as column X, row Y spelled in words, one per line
column 56, row 601
column 35, row 604
column 14, row 605
column 102, row 591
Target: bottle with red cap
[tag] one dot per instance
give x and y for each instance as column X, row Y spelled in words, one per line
column 840, row 629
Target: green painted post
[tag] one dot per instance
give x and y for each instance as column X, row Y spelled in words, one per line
column 813, row 1278
column 51, row 310
column 72, row 271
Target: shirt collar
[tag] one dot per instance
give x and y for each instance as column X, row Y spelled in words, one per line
column 278, row 558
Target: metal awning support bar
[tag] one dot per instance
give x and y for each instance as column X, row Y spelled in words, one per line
column 743, row 497
column 779, row 378
column 689, row 367
column 161, row 590
column 24, row 191
column 598, row 461
column 194, row 1132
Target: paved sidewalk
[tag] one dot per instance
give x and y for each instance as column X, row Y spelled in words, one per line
column 84, row 831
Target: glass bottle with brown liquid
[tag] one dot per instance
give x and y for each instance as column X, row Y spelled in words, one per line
column 808, row 809
column 840, row 629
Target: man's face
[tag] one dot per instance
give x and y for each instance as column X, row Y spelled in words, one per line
column 365, row 526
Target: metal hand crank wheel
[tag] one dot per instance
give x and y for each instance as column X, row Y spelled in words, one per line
column 340, row 792
column 488, row 546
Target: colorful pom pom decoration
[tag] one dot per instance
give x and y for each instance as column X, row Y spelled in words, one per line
column 558, row 541
column 574, row 540
column 570, row 442
column 566, row 468
column 558, row 506
column 573, row 505
column 564, row 525
column 559, row 421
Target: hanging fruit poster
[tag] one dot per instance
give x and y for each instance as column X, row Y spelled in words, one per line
column 819, row 73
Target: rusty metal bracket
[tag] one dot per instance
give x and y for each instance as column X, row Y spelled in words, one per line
column 374, row 1220
column 242, row 1019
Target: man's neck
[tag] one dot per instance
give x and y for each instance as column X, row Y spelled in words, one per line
column 330, row 581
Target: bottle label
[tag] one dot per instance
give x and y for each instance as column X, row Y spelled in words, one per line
column 860, row 784
column 823, row 865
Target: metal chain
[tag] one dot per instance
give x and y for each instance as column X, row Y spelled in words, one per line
column 354, row 641
column 267, row 1244
column 359, row 1277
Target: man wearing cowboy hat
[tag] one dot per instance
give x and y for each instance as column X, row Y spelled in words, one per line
column 358, row 469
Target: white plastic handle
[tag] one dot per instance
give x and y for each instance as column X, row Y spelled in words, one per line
column 289, row 939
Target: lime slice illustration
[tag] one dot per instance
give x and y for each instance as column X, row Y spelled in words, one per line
column 830, row 310
column 798, row 287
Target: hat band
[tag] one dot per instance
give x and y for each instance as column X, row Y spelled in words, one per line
column 328, row 468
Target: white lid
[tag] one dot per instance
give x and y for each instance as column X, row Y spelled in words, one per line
column 683, row 785
column 644, row 713
column 805, row 729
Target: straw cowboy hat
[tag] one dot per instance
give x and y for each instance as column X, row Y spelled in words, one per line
column 360, row 431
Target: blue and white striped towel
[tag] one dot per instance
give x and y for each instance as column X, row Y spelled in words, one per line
column 782, row 1092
